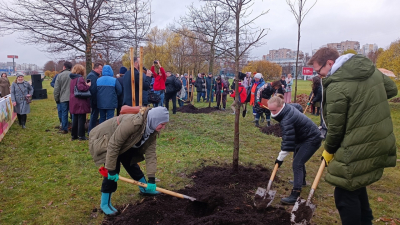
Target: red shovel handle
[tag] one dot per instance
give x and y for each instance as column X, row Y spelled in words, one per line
column 103, row 171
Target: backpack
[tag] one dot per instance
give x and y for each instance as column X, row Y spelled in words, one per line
column 177, row 85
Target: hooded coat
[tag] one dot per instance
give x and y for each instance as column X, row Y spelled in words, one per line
column 78, row 105
column 115, row 136
column 360, row 128
column 18, row 93
column 108, row 89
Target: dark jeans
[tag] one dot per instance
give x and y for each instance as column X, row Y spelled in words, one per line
column 267, row 116
column 64, row 115
column 302, row 154
column 162, row 95
column 106, row 114
column 94, row 115
column 201, row 94
column 78, row 125
column 210, row 94
column 219, row 98
column 180, row 102
column 353, row 206
column 59, row 111
column 109, row 186
column 171, row 96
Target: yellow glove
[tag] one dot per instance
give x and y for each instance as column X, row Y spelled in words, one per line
column 327, row 157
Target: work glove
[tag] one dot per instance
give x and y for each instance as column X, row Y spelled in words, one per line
column 112, row 175
column 151, row 184
column 279, row 163
column 258, row 100
column 308, row 103
column 327, row 157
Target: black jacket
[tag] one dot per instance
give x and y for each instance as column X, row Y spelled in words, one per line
column 93, row 76
column 200, row 84
column 127, row 87
column 171, row 84
column 280, row 90
column 317, row 95
column 296, row 127
column 208, row 83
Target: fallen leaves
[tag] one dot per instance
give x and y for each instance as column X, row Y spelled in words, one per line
column 387, row 220
column 50, row 203
column 380, row 199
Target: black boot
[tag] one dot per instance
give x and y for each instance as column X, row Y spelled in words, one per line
column 257, row 124
column 291, row 200
column 23, row 121
column 268, row 123
column 19, row 119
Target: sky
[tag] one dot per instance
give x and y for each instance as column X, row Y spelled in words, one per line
column 366, row 21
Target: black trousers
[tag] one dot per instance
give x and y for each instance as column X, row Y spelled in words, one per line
column 353, row 206
column 171, row 96
column 78, row 125
column 109, row 186
column 302, row 153
column 219, row 98
column 21, row 119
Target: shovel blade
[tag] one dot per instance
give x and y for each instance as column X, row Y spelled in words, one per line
column 302, row 213
column 263, row 199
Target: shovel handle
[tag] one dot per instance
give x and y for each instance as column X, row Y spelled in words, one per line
column 312, row 96
column 272, row 176
column 316, row 181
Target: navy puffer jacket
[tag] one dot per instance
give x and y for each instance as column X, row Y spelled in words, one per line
column 296, row 127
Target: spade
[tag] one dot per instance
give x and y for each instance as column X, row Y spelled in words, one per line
column 264, row 197
column 103, row 171
column 303, row 210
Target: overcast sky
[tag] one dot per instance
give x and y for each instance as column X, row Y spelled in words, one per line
column 366, row 21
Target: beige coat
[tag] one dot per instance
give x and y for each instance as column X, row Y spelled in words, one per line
column 109, row 140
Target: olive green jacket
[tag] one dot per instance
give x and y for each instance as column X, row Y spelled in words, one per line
column 109, row 140
column 360, row 129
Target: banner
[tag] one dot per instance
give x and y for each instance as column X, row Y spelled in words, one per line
column 308, row 71
column 7, row 115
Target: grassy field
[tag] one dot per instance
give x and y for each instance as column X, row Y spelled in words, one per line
column 47, row 179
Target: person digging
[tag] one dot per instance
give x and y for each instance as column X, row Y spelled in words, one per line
column 127, row 139
column 299, row 135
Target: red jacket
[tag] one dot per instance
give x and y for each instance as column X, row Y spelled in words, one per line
column 242, row 93
column 159, row 80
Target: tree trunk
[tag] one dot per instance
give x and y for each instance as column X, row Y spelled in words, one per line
column 88, row 54
column 211, row 63
column 298, row 47
column 235, row 163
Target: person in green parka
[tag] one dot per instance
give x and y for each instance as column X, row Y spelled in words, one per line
column 360, row 142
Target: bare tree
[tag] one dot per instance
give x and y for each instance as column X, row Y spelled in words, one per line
column 245, row 38
column 297, row 7
column 68, row 26
column 209, row 23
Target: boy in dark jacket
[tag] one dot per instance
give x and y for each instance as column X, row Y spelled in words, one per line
column 299, row 135
column 172, row 86
column 221, row 91
column 108, row 90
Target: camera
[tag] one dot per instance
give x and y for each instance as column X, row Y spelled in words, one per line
column 155, row 62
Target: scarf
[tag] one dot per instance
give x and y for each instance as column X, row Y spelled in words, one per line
column 155, row 117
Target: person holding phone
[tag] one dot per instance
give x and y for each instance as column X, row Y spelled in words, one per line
column 159, row 81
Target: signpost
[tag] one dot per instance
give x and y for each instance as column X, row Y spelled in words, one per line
column 13, row 57
column 307, row 71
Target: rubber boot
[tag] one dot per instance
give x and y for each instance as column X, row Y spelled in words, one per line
column 257, row 124
column 143, row 190
column 268, row 122
column 291, row 200
column 23, row 121
column 262, row 118
column 106, row 206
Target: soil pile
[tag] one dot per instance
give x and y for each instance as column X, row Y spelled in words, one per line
column 274, row 130
column 228, row 197
column 302, row 100
column 395, row 100
column 303, row 213
column 189, row 108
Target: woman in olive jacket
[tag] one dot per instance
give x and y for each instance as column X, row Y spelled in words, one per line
column 127, row 139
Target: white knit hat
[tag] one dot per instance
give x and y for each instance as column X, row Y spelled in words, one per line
column 258, row 76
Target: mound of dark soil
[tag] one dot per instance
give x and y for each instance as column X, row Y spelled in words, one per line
column 395, row 100
column 189, row 108
column 229, row 199
column 274, row 130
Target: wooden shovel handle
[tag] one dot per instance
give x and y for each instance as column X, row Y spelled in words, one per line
column 162, row 190
column 312, row 96
column 319, row 175
column 274, row 172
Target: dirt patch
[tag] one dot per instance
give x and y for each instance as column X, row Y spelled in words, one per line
column 229, row 199
column 274, row 130
column 189, row 108
column 302, row 100
column 395, row 100
column 261, row 202
column 304, row 212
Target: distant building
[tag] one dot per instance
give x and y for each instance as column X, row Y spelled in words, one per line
column 345, row 45
column 281, row 54
column 367, row 48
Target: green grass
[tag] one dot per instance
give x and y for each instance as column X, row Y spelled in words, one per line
column 47, row 179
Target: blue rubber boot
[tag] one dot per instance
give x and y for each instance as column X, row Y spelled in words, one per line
column 106, row 206
column 143, row 190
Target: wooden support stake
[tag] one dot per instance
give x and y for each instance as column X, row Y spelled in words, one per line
column 141, row 77
column 192, row 86
column 132, row 77
column 187, row 85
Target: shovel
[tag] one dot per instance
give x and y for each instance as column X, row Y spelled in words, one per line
column 104, row 172
column 245, row 110
column 303, row 210
column 312, row 96
column 264, row 197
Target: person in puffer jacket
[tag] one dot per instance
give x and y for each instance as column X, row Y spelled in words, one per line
column 299, row 135
column 360, row 142
column 108, row 90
